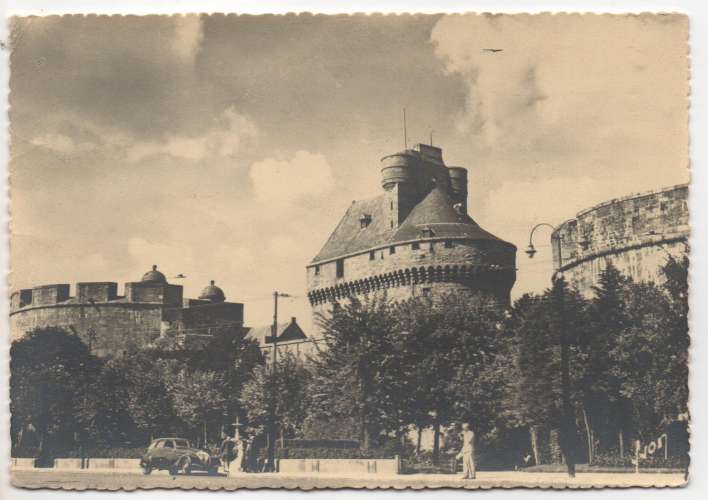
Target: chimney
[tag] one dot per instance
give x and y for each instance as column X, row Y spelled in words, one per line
column 292, row 320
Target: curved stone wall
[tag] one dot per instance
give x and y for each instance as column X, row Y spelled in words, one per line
column 437, row 265
column 636, row 233
column 118, row 327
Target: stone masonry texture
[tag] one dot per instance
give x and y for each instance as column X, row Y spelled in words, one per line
column 636, row 234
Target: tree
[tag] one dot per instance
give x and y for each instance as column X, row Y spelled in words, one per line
column 608, row 412
column 350, row 372
column 652, row 352
column 535, row 323
column 291, row 399
column 199, row 398
column 149, row 403
column 50, row 372
column 452, row 362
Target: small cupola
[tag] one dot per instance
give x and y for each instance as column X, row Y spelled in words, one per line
column 212, row 293
column 154, row 276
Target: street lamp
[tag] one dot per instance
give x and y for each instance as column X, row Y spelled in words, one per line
column 567, row 420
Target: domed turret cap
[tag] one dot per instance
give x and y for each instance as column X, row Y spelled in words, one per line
column 212, row 293
column 154, row 276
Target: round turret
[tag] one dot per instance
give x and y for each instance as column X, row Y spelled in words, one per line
column 398, row 168
column 458, row 184
column 154, row 276
column 212, row 293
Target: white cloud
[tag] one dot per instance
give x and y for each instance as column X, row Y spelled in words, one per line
column 286, row 181
column 222, row 141
column 566, row 82
column 61, row 143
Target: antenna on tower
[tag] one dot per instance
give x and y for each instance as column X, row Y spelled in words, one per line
column 405, row 131
column 431, row 136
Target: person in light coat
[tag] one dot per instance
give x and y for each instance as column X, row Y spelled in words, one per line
column 467, row 452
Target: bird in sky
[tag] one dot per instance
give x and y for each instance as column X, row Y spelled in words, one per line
column 492, row 50
column 180, row 276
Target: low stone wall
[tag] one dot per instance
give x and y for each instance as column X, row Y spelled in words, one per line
column 101, row 463
column 22, row 463
column 340, row 466
column 126, row 463
column 95, row 463
column 67, row 463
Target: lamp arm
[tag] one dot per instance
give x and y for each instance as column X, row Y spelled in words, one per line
column 553, row 228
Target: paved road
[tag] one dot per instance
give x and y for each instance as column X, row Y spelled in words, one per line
column 128, row 480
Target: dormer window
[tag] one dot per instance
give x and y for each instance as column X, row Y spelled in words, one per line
column 427, row 232
column 365, row 220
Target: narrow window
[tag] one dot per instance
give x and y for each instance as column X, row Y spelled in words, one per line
column 391, row 224
column 415, row 246
column 448, row 244
column 340, row 268
column 392, row 205
column 392, row 250
column 317, row 270
column 426, row 292
column 372, row 255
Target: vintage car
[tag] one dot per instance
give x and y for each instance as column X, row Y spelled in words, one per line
column 177, row 455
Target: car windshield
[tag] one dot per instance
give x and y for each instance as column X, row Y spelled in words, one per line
column 181, row 443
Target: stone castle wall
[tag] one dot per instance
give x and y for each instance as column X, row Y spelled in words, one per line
column 119, row 324
column 636, row 234
column 119, row 328
column 436, row 266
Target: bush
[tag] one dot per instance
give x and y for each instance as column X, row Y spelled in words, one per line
column 324, row 453
column 319, row 443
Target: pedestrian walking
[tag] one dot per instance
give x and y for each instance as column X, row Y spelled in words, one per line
column 227, row 451
column 467, row 452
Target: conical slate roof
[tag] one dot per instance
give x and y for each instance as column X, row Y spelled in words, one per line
column 437, row 217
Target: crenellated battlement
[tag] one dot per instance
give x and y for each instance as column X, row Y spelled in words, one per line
column 116, row 324
column 98, row 292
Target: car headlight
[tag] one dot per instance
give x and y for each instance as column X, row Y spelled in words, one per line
column 203, row 456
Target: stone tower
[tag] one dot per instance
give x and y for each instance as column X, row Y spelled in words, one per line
column 413, row 239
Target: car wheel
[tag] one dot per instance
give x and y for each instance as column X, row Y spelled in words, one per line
column 185, row 465
column 173, row 470
column 147, row 468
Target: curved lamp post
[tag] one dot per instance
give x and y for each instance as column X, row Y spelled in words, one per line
column 567, row 423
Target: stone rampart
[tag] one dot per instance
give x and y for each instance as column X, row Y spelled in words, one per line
column 636, row 233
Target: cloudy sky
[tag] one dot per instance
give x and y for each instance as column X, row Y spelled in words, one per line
column 227, row 147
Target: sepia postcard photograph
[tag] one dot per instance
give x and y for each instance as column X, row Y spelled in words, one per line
column 313, row 251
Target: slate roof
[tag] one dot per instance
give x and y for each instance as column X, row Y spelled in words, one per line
column 287, row 332
column 435, row 211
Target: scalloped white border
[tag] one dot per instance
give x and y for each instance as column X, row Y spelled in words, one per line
column 698, row 13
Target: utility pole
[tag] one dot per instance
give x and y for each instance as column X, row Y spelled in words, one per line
column 272, row 430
